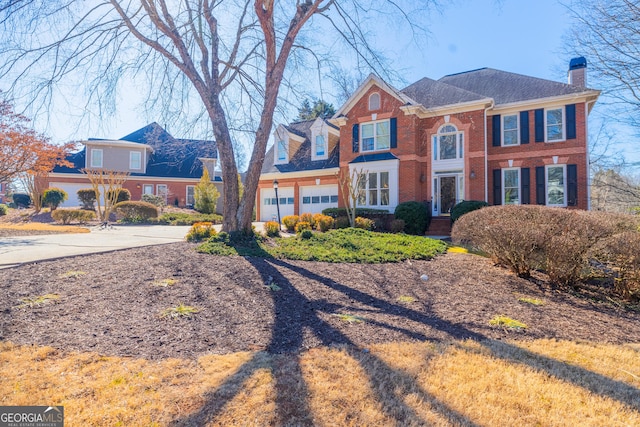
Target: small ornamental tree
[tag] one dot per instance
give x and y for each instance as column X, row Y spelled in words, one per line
column 52, row 197
column 351, row 186
column 87, row 197
column 205, row 194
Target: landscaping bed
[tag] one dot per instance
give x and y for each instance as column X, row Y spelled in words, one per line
column 113, row 303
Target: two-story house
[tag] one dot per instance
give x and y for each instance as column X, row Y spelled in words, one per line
column 479, row 135
column 157, row 163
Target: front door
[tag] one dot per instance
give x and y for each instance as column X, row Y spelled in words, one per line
column 446, row 194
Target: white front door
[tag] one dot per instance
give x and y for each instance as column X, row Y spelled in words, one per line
column 448, row 189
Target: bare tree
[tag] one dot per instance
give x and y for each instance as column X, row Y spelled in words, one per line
column 351, row 185
column 229, row 56
column 106, row 185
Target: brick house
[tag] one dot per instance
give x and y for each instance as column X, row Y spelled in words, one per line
column 479, row 135
column 157, row 162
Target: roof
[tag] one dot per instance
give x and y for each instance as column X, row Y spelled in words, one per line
column 301, row 160
column 432, row 93
column 171, row 157
column 375, row 157
column 505, row 87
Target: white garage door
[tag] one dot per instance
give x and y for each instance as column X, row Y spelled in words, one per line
column 268, row 207
column 315, row 198
column 71, row 190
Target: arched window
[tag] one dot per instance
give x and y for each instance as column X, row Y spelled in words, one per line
column 374, row 101
column 448, row 144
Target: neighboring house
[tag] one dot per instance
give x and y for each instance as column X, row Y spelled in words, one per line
column 4, row 188
column 157, row 162
column 484, row 134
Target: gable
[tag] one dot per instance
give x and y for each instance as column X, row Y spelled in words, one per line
column 365, row 89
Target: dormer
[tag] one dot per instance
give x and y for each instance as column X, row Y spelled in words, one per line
column 210, row 165
column 324, row 138
column 116, row 155
column 286, row 145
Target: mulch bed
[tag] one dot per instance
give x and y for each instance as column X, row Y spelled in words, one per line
column 115, row 308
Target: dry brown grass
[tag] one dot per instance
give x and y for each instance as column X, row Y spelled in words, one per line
column 543, row 382
column 42, row 227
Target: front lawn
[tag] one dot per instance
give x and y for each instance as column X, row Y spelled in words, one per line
column 350, row 245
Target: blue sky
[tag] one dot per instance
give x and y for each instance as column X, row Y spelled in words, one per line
column 522, row 36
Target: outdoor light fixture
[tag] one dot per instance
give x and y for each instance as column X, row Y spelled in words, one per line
column 275, row 187
column 472, row 175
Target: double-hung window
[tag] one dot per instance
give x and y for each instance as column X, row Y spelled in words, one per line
column 448, row 144
column 281, row 148
column 373, row 189
column 510, row 130
column 135, row 160
column 556, row 185
column 554, row 124
column 96, row 158
column 511, row 186
column 320, row 148
column 375, row 136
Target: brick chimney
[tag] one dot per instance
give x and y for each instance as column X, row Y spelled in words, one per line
column 578, row 71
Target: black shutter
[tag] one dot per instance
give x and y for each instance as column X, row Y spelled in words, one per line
column 539, row 123
column 541, row 198
column 525, row 197
column 496, row 130
column 393, row 130
column 497, row 186
column 572, row 185
column 355, row 133
column 571, row 121
column 524, row 127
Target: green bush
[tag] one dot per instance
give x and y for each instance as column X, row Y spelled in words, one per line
column 272, row 228
column 52, row 197
column 306, row 234
column 200, row 231
column 335, row 213
column 4, row 209
column 323, row 222
column 290, row 222
column 205, row 194
column 87, row 197
column 21, row 200
column 180, row 218
column 301, row 226
column 342, row 222
column 364, row 223
column 397, row 226
column 157, row 201
column 67, row 216
column 135, row 211
column 466, row 206
column 124, row 195
column 415, row 215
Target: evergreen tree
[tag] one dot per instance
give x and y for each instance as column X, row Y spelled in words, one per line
column 205, row 194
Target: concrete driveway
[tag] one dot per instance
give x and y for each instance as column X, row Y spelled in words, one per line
column 19, row 250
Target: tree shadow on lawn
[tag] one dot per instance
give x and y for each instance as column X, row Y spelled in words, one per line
column 295, row 313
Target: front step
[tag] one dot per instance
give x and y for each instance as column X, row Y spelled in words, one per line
column 440, row 226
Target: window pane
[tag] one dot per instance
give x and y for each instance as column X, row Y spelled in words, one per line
column 511, row 122
column 447, row 147
column 306, row 200
column 555, row 185
column 384, row 197
column 382, row 135
column 267, row 201
column 554, row 117
column 96, row 158
column 283, row 200
column 510, row 137
column 511, row 196
column 367, row 137
column 290, row 200
column 274, row 201
column 334, row 199
column 448, row 128
column 319, row 145
column 384, row 179
column 511, row 178
column 315, row 199
column 373, row 180
column 373, row 197
column 282, row 150
column 554, row 133
column 374, row 101
column 324, row 199
column 554, row 124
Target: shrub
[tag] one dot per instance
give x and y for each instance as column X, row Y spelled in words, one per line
column 157, row 201
column 201, row 231
column 307, row 217
column 272, row 228
column 466, row 206
column 290, row 221
column 4, row 209
column 302, row 225
column 87, row 197
column 335, row 213
column 181, row 218
column 21, row 200
column 324, row 222
column 67, row 216
column 415, row 216
column 136, row 211
column 364, row 223
column 124, row 195
column 205, row 194
column 397, row 226
column 52, row 197
column 316, row 217
column 306, row 234
column 342, row 222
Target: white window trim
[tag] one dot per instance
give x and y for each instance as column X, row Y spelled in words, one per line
column 146, row 186
column 276, row 151
column 131, row 155
column 504, row 187
column 375, row 136
column 186, row 194
column 546, row 185
column 166, row 193
column 503, row 139
column 564, row 125
column 97, row 150
column 314, row 154
column 378, row 190
column 459, row 144
column 379, row 101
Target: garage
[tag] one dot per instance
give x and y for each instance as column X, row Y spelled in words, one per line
column 71, row 189
column 268, row 206
column 315, row 198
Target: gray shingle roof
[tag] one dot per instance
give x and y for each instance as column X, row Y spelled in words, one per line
column 432, row 93
column 505, row 87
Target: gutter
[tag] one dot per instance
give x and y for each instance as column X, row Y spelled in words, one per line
column 486, row 154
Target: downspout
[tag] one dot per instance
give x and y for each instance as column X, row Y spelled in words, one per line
column 486, row 160
column 586, row 136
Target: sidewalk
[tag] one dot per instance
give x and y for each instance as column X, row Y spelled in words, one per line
column 19, row 250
